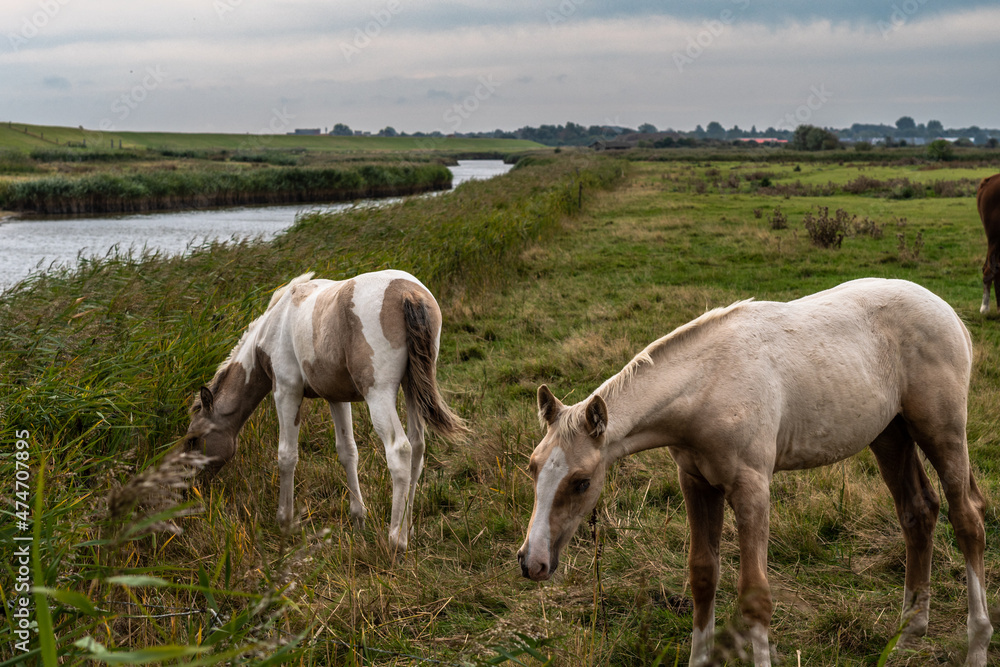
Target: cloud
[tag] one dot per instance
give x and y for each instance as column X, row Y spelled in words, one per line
column 750, row 62
column 57, row 83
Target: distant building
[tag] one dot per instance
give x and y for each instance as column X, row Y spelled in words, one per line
column 763, row 140
column 307, row 132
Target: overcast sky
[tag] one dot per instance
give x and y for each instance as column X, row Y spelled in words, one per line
column 469, row 65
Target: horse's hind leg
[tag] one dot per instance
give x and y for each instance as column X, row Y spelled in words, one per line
column 347, row 452
column 415, row 434
column 941, row 434
column 917, row 507
column 967, row 516
column 398, row 456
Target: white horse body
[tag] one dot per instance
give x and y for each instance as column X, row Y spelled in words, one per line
column 757, row 387
column 342, row 341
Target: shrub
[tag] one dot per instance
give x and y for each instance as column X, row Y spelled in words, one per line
column 824, row 231
column 939, row 151
column 778, row 219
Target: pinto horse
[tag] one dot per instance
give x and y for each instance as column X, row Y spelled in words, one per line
column 343, row 341
column 757, row 387
column 988, row 203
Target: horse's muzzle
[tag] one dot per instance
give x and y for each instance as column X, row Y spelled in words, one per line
column 536, row 570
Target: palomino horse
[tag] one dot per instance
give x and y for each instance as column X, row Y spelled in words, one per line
column 757, row 387
column 988, row 203
column 342, row 341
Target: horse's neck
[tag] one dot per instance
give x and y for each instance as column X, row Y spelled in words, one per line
column 648, row 408
column 240, row 391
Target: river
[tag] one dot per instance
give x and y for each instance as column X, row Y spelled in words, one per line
column 30, row 244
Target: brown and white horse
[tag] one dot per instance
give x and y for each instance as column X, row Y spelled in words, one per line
column 757, row 387
column 342, row 341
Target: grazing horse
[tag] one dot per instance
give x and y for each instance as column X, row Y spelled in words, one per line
column 988, row 203
column 744, row 391
column 343, row 341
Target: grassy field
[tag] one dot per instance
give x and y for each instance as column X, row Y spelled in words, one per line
column 556, row 273
column 24, row 137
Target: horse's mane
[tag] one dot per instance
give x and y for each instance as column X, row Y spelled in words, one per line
column 573, row 417
column 251, row 329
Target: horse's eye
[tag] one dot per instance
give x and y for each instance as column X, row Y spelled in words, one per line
column 582, row 486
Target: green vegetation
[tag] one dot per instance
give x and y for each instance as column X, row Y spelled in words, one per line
column 24, row 137
column 167, row 188
column 558, row 272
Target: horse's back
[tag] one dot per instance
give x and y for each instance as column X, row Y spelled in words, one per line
column 857, row 355
column 347, row 335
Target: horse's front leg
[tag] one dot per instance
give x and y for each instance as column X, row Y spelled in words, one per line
column 288, row 403
column 398, row 456
column 750, row 500
column 991, row 269
column 705, row 505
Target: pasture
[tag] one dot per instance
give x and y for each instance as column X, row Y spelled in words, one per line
column 25, row 137
column 556, row 273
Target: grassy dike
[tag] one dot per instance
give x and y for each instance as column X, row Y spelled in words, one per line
column 99, row 365
column 131, row 191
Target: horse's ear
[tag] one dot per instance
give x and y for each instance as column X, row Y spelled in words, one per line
column 597, row 417
column 548, row 405
column 207, row 399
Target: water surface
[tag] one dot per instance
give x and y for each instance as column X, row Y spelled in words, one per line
column 32, row 244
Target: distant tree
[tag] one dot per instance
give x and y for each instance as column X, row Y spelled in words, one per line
column 388, row 131
column 341, row 130
column 905, row 123
column 939, row 150
column 811, row 138
column 935, row 127
column 715, row 131
column 647, row 128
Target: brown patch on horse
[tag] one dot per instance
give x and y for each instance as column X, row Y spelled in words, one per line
column 391, row 317
column 342, row 370
column 301, row 291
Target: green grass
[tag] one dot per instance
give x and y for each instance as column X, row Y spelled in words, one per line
column 100, row 364
column 13, row 136
column 130, row 191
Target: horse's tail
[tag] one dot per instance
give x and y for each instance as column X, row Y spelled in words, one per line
column 420, row 380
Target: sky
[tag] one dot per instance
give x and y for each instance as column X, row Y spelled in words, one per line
column 271, row 66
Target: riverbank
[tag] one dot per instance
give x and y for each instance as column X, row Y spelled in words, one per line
column 157, row 189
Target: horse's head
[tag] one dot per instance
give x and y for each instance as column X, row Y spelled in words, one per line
column 209, row 432
column 568, row 469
